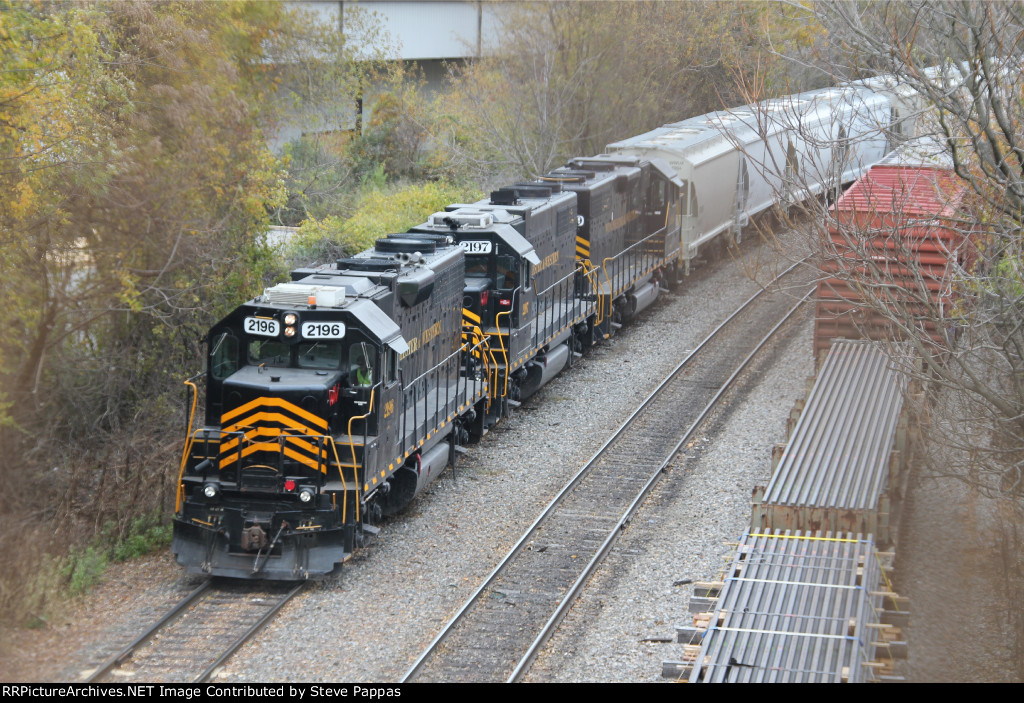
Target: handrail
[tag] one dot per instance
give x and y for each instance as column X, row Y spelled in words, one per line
column 504, row 351
column 341, row 475
column 351, row 444
column 433, row 368
column 188, row 445
column 621, row 255
column 560, row 280
column 589, row 271
column 324, row 437
column 478, row 342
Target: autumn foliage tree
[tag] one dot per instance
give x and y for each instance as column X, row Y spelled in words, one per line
column 137, row 178
column 567, row 78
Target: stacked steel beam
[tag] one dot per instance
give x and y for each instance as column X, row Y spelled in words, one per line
column 794, row 607
column 842, row 467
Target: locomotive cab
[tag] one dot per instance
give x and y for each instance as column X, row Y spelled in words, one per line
column 269, row 486
column 498, row 286
column 522, row 289
column 498, row 291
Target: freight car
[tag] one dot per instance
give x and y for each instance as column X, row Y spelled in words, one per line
column 805, row 597
column 735, row 164
column 895, row 240
column 334, row 399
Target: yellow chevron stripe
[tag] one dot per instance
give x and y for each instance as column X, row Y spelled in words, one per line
column 276, row 402
column 256, row 419
column 471, row 315
column 269, row 432
column 272, row 447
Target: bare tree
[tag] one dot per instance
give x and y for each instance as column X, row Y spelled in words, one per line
column 949, row 72
column 932, row 257
column 568, row 78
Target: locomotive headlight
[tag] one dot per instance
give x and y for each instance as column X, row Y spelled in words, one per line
column 306, row 494
column 289, row 331
column 291, row 318
column 210, row 490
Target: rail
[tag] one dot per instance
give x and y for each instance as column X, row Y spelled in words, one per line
column 161, row 634
column 565, row 599
column 605, row 548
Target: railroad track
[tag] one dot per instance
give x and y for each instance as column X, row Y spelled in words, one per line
column 498, row 632
column 199, row 634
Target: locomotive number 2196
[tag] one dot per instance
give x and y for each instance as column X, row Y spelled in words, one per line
column 263, row 326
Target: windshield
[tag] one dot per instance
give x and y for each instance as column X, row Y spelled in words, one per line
column 476, row 266
column 319, row 355
column 269, row 352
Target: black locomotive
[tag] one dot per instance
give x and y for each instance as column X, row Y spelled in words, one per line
column 330, row 401
column 334, row 399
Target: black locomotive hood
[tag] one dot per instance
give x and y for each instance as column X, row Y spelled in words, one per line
column 300, row 400
column 279, row 381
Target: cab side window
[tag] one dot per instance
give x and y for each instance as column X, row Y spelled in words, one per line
column 507, row 274
column 390, row 371
column 224, row 355
column 361, row 359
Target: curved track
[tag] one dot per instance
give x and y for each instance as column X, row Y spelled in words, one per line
column 199, row 634
column 497, row 633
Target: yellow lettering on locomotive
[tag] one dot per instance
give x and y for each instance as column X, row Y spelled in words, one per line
column 623, row 220
column 389, row 407
column 549, row 260
column 431, row 332
column 414, row 344
column 526, row 307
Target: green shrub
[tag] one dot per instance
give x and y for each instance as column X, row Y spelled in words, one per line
column 82, row 569
column 378, row 213
column 145, row 535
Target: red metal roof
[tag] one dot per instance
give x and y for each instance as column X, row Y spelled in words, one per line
column 901, row 190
